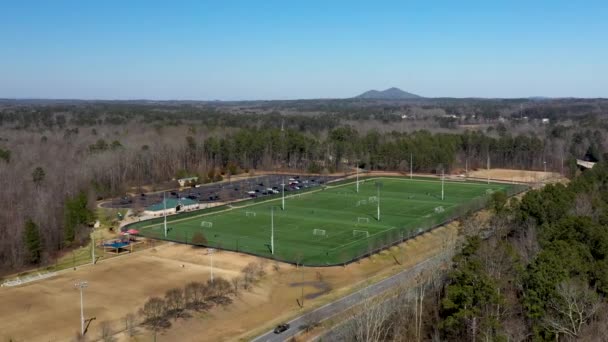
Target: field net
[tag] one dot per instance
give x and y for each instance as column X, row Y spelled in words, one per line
column 439, row 210
column 362, row 219
column 361, row 202
column 360, row 233
column 250, row 213
column 372, row 199
column 319, row 232
column 206, row 224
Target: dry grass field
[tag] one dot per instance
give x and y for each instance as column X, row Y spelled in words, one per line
column 509, row 175
column 48, row 310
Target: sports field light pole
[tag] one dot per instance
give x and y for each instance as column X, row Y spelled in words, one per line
column 165, row 212
column 442, row 182
column 378, row 184
column 283, row 195
column 357, row 177
column 488, row 167
column 211, row 250
column 81, row 285
column 93, row 247
column 272, row 230
column 411, row 165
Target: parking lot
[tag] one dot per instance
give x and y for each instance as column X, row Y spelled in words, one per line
column 225, row 191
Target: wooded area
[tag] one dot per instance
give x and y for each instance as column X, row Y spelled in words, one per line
column 541, row 275
column 58, row 157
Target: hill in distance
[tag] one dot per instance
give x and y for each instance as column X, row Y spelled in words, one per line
column 388, row 94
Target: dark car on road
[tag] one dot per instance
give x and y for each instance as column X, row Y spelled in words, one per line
column 281, row 328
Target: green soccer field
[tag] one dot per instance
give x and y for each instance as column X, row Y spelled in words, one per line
column 327, row 226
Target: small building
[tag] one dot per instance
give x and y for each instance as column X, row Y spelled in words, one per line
column 172, row 205
column 187, row 181
column 585, row 164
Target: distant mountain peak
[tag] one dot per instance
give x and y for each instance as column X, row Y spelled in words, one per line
column 392, row 93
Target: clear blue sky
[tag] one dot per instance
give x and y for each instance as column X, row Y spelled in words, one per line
column 232, row 50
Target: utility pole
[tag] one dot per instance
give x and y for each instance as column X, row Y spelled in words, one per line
column 81, row 285
column 272, row 230
column 283, row 196
column 378, row 199
column 488, row 167
column 442, row 181
column 211, row 251
column 93, row 247
column 411, row 165
column 357, row 178
column 165, row 212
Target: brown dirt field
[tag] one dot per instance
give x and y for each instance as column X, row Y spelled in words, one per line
column 515, row 175
column 274, row 299
column 48, row 310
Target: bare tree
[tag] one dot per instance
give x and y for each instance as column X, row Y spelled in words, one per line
column 371, row 321
column 106, row 332
column 576, row 304
column 154, row 312
column 174, row 302
column 131, row 324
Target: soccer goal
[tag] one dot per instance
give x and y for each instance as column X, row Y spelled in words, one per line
column 250, row 213
column 439, row 209
column 489, row 191
column 362, row 219
column 206, row 224
column 361, row 202
column 372, row 199
column 360, row 233
column 319, row 232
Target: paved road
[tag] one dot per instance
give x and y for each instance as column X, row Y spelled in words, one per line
column 299, row 323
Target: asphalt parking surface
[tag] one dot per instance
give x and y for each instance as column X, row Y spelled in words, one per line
column 224, row 191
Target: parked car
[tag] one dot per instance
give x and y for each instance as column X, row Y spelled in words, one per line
column 281, row 328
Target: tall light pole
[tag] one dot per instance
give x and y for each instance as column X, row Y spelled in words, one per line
column 283, row 196
column 81, row 285
column 488, row 167
column 357, row 178
column 93, row 247
column 378, row 184
column 165, row 212
column 411, row 165
column 442, row 181
column 272, row 230
column 211, row 250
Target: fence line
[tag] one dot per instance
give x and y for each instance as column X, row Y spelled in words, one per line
column 345, row 254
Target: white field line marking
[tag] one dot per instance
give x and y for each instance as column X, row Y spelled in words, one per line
column 308, row 192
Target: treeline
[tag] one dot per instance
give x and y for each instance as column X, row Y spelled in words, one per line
column 541, row 274
column 545, row 274
column 52, row 155
column 300, row 114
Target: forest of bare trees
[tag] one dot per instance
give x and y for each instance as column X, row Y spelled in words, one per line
column 57, row 159
column 539, row 275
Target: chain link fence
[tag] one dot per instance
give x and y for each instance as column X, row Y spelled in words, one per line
column 351, row 251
